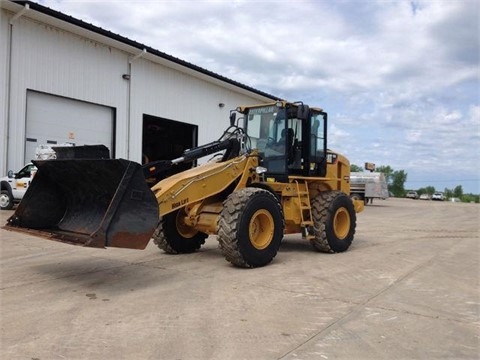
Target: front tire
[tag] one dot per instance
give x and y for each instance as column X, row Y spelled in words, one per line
column 6, row 200
column 250, row 227
column 334, row 222
column 175, row 237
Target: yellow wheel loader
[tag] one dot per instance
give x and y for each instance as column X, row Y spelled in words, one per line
column 271, row 176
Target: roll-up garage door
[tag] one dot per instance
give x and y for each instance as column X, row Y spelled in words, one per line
column 55, row 120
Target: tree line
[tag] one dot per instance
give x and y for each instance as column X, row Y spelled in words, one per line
column 396, row 185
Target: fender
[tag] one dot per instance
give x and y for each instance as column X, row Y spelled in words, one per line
column 5, row 185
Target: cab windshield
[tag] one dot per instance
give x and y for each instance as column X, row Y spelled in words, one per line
column 272, row 130
column 289, row 141
column 264, row 125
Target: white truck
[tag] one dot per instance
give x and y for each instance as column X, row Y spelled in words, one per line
column 14, row 186
column 367, row 186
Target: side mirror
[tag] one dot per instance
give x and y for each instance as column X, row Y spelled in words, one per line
column 10, row 174
column 233, row 117
column 303, row 112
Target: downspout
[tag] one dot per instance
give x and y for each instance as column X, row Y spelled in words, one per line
column 9, row 85
column 129, row 96
column 144, row 51
column 20, row 13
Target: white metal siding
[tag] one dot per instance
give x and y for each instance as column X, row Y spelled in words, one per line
column 4, row 41
column 168, row 93
column 50, row 60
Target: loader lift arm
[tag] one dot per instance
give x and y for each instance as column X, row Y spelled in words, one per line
column 160, row 167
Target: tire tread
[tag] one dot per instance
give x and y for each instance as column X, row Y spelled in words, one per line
column 321, row 212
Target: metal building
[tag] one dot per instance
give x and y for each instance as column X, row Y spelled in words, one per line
column 66, row 81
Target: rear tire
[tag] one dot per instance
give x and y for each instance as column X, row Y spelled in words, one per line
column 356, row 196
column 250, row 227
column 334, row 222
column 175, row 237
column 6, row 200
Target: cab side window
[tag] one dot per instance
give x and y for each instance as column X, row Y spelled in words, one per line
column 25, row 172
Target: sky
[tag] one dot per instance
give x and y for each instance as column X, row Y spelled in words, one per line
column 400, row 80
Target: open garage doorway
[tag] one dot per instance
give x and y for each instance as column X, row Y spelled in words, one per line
column 165, row 139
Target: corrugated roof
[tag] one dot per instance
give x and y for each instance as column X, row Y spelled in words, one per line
column 84, row 25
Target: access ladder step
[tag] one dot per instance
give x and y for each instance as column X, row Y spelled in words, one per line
column 305, row 208
column 306, row 234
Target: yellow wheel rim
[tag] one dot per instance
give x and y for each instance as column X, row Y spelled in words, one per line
column 261, row 229
column 341, row 223
column 182, row 228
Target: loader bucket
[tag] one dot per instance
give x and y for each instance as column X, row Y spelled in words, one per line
column 97, row 203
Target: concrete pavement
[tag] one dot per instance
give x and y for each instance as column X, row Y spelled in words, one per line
column 408, row 288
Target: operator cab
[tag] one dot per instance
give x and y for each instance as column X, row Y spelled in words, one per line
column 290, row 137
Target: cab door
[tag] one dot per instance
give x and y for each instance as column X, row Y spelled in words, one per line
column 317, row 155
column 21, row 181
